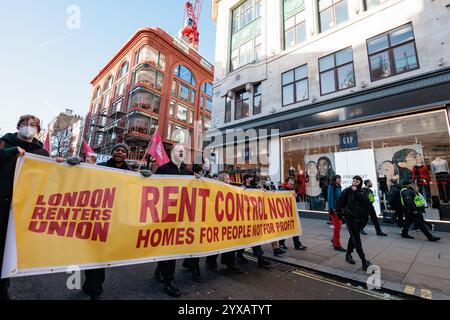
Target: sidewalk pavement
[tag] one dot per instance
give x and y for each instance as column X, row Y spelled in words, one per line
column 410, row 266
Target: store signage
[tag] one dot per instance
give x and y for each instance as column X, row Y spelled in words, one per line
column 348, row 140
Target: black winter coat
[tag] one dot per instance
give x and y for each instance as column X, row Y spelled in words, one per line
column 394, row 196
column 354, row 204
column 111, row 164
column 8, row 161
column 171, row 168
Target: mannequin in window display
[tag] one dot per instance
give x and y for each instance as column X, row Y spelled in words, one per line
column 325, row 173
column 405, row 160
column 300, row 179
column 439, row 167
column 313, row 190
column 422, row 177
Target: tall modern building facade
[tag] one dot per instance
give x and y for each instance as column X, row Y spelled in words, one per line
column 154, row 81
column 348, row 86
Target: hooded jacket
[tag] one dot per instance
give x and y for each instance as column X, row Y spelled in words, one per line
column 8, row 160
column 354, row 204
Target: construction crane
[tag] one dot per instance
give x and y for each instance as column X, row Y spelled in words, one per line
column 191, row 18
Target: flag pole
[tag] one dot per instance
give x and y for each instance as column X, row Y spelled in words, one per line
column 150, row 143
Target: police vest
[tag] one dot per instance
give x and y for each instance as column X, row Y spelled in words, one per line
column 371, row 197
column 419, row 200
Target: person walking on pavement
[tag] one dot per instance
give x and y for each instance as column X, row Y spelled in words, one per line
column 334, row 192
column 257, row 250
column 289, row 185
column 372, row 213
column 354, row 203
column 395, row 202
column 414, row 204
column 12, row 146
column 93, row 285
column 165, row 271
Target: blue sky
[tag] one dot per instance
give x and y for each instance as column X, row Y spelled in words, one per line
column 47, row 67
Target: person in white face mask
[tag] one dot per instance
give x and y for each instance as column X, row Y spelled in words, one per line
column 12, row 146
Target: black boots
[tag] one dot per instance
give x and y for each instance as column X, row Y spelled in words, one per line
column 366, row 264
column 434, row 239
column 349, row 259
column 278, row 251
column 263, row 263
column 241, row 259
column 172, row 289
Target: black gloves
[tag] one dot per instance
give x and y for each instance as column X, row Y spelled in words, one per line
column 146, row 173
column 74, row 161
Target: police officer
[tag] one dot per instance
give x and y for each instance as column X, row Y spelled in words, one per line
column 372, row 214
column 354, row 204
column 414, row 204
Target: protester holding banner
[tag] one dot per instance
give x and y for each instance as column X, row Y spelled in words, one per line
column 228, row 258
column 165, row 270
column 354, row 204
column 257, row 250
column 13, row 145
column 289, row 185
column 93, row 286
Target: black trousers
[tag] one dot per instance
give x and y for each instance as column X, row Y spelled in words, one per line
column 94, row 281
column 167, row 269
column 399, row 213
column 296, row 240
column 418, row 220
column 374, row 219
column 354, row 228
column 5, row 204
column 442, row 179
column 227, row 258
column 257, row 251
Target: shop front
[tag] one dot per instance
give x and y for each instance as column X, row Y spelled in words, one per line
column 404, row 147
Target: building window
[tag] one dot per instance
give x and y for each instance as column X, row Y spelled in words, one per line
column 336, row 71
column 242, row 109
column 295, row 85
column 392, row 53
column 144, row 99
column 151, row 56
column 369, row 4
column 124, row 69
column 185, row 74
column 257, row 103
column 246, row 41
column 148, row 76
column 294, row 22
column 332, row 13
column 206, row 97
column 227, row 109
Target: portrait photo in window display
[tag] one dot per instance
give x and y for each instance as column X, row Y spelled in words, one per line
column 319, row 169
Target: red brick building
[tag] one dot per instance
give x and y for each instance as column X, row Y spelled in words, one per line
column 154, row 80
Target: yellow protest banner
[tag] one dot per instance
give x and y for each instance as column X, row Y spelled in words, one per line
column 92, row 216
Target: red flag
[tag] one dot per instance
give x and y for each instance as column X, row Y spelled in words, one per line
column 87, row 148
column 156, row 149
column 47, row 143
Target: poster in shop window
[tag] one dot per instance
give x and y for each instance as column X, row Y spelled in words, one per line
column 361, row 163
column 319, row 170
